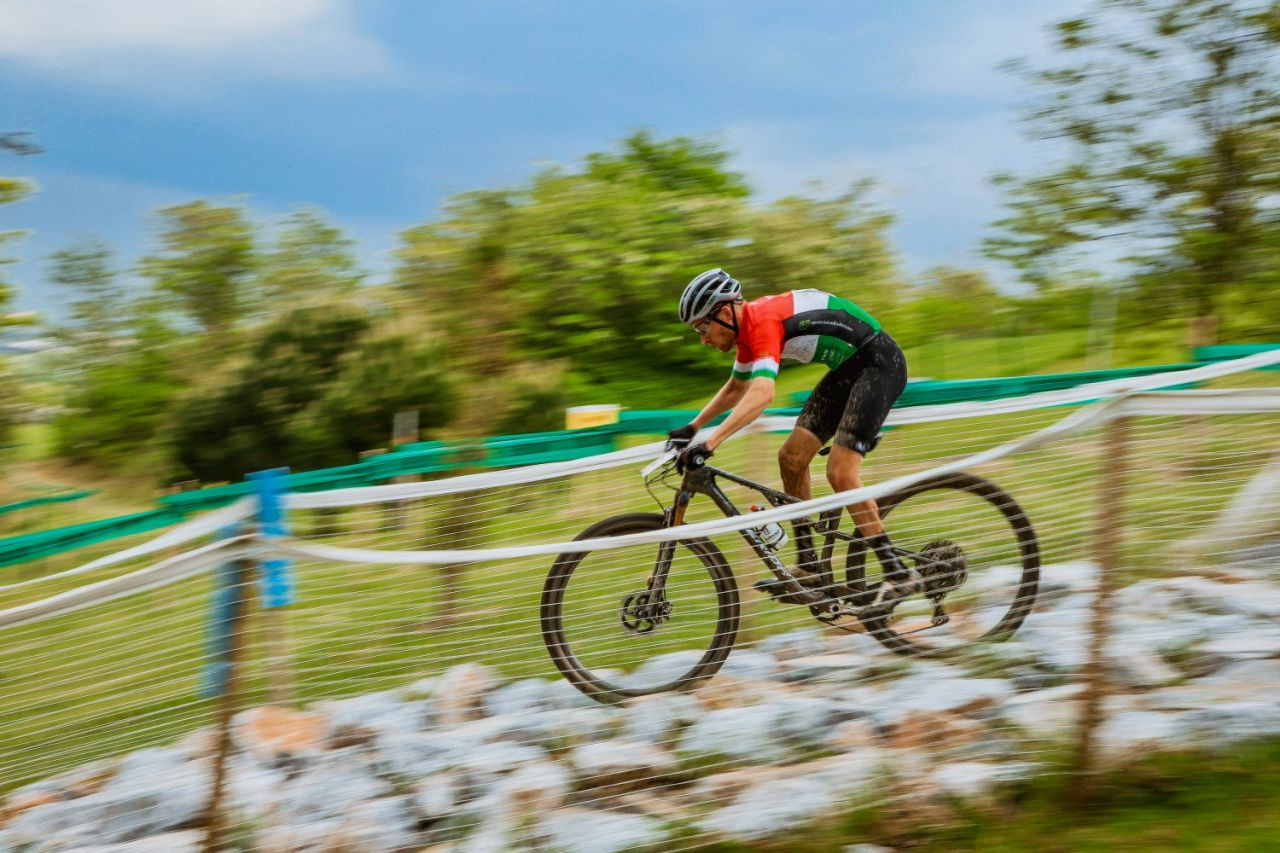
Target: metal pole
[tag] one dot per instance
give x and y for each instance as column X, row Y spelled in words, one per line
column 1109, row 524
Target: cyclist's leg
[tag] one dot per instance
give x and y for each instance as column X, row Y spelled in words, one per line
column 816, row 424
column 881, row 376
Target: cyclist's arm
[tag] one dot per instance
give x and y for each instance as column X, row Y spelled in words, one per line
column 758, row 396
column 724, row 400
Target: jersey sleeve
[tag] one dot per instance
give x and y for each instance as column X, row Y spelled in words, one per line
column 742, row 362
column 763, row 350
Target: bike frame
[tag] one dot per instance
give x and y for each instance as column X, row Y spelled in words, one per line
column 702, row 481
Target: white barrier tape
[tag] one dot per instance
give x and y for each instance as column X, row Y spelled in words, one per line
column 468, row 482
column 918, row 414
column 1075, row 422
column 160, row 574
column 244, row 508
column 1234, row 401
column 1066, row 396
column 196, row 528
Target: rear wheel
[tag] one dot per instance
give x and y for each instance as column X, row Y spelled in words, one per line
column 977, row 553
column 613, row 637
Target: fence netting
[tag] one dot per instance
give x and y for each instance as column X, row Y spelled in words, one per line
column 405, row 695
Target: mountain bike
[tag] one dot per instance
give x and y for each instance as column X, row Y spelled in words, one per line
column 618, row 626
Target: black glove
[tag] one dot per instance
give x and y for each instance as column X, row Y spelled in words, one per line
column 681, row 436
column 693, row 457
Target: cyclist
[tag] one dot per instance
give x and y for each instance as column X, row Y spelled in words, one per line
column 866, row 373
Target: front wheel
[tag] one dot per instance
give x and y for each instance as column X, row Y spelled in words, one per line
column 977, row 553
column 613, row 636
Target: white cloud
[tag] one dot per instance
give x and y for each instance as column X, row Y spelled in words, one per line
column 111, row 39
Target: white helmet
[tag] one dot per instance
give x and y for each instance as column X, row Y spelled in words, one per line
column 707, row 292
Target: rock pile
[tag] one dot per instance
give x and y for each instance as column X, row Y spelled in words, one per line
column 802, row 724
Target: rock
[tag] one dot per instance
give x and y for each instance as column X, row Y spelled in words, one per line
column 848, row 776
column 1049, row 713
column 660, row 670
column 385, row 823
column 415, row 755
column 751, row 664
column 852, row 735
column 738, row 734
column 611, row 767
column 271, row 731
column 460, row 692
column 289, row 838
column 533, row 789
column 185, row 841
column 806, row 720
column 1140, row 669
column 722, row 787
column 1263, row 642
column 376, row 713
column 1217, row 726
column 1250, row 599
column 527, row 696
column 251, row 787
column 658, row 718
column 134, row 804
column 22, row 801
column 1246, row 674
column 966, row 779
column 437, row 796
column 842, row 667
column 579, row 830
column 730, row 691
column 771, row 808
column 867, row 848
column 336, row 782
column 481, row 767
column 1135, row 733
column 923, row 694
column 800, row 642
column 933, row 730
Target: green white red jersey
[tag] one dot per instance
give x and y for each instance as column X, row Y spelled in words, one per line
column 803, row 325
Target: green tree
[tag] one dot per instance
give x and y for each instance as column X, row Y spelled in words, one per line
column 205, row 264
column 11, row 190
column 1171, row 113
column 116, row 406
column 99, row 311
column 310, row 260
column 315, row 387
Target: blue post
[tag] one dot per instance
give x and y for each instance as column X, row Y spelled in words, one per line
column 275, row 584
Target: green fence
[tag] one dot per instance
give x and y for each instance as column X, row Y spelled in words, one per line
column 506, row 451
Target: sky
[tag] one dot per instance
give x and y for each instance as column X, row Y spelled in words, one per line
column 375, row 112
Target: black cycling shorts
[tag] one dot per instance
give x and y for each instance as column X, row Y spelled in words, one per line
column 852, row 401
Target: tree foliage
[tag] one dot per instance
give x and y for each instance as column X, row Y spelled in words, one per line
column 311, row 260
column 1171, row 112
column 205, row 263
column 315, row 387
column 582, row 267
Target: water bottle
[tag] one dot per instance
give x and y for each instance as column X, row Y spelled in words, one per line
column 771, row 534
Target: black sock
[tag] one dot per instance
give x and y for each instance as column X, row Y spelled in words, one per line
column 894, row 570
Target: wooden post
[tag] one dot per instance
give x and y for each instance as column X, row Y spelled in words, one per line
column 1109, row 522
column 241, row 595
column 404, row 430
